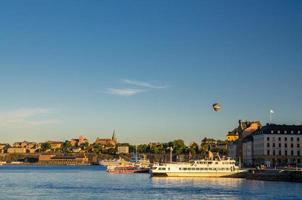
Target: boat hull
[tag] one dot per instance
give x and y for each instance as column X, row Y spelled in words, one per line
column 194, row 174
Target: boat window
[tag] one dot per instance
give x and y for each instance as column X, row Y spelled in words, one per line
column 184, row 168
column 169, row 168
column 216, row 163
column 193, row 168
column 154, row 168
column 209, row 162
column 180, row 168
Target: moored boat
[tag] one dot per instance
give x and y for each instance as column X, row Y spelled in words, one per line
column 197, row 168
column 126, row 169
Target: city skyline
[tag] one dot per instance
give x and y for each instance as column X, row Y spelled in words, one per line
column 149, row 70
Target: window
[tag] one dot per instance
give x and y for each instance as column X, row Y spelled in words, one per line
column 298, row 139
column 278, row 131
column 291, row 145
column 279, row 152
column 292, row 132
column 291, row 139
column 279, row 139
column 267, row 145
column 298, row 145
column 292, row 152
column 273, row 144
column 268, row 153
column 272, row 131
column 285, row 132
column 279, row 145
column 299, row 132
column 285, row 145
column 273, row 152
column 267, row 138
column 285, row 152
column 298, row 153
column 285, row 138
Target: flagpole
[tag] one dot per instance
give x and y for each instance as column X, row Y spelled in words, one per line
column 271, row 112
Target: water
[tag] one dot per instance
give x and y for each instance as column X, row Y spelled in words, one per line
column 92, row 182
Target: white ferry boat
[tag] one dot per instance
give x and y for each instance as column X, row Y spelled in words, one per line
column 197, row 168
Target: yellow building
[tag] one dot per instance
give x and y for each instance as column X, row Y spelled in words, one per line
column 232, row 137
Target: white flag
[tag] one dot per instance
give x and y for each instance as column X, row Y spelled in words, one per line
column 271, row 111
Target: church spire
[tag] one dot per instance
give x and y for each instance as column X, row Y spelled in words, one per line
column 113, row 136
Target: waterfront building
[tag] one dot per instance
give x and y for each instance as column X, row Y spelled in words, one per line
column 63, row 160
column 107, row 141
column 244, row 129
column 274, row 145
column 123, row 149
column 232, row 149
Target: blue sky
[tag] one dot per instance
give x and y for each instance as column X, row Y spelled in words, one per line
column 149, row 69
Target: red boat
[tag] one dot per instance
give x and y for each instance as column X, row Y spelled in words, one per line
column 126, row 169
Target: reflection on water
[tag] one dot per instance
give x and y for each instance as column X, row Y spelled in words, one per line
column 92, row 182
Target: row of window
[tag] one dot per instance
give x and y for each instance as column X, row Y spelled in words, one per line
column 285, row 145
column 285, row 138
column 285, row 153
column 285, row 132
column 199, row 169
column 196, row 169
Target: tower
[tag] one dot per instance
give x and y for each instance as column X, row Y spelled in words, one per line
column 113, row 137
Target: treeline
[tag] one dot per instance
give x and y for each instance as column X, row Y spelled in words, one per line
column 179, row 147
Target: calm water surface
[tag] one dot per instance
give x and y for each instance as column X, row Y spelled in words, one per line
column 92, row 182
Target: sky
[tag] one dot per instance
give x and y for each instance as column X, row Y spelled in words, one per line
column 150, row 70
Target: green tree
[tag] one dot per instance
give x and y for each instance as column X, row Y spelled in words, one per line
column 178, row 146
column 66, row 147
column 45, row 146
column 84, row 146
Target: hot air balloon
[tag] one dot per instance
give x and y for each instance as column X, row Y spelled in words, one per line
column 216, row 107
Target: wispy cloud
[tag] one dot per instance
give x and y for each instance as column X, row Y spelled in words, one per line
column 143, row 84
column 135, row 87
column 124, row 91
column 28, row 117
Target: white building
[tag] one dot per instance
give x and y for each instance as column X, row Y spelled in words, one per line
column 276, row 145
column 123, row 149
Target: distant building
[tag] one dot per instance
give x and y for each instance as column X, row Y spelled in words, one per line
column 123, row 149
column 16, row 150
column 25, row 144
column 78, row 142
column 82, row 140
column 210, row 144
column 55, row 145
column 107, row 141
column 30, row 147
column 4, row 147
column 232, row 136
column 274, row 145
